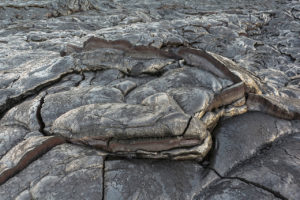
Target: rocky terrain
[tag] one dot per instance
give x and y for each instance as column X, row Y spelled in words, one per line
column 113, row 99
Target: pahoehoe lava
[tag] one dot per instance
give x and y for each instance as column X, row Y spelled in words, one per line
column 149, row 100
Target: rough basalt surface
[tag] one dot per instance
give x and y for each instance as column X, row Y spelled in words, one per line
column 149, row 100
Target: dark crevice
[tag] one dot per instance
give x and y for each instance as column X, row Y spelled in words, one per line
column 93, row 78
column 275, row 193
column 31, row 93
column 288, row 55
column 16, row 100
column 187, row 126
column 39, row 116
column 13, row 82
column 167, row 46
column 293, row 15
column 156, row 74
column 23, row 7
column 82, row 79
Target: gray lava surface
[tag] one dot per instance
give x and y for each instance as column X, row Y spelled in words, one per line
column 171, row 99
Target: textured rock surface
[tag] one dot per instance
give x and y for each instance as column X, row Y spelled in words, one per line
column 234, row 189
column 250, row 131
column 61, row 102
column 279, row 166
column 24, row 153
column 145, row 179
column 65, row 172
column 149, row 79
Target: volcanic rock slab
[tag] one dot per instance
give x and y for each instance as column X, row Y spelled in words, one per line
column 246, row 128
column 229, row 175
column 64, row 172
column 279, row 166
column 59, row 103
column 234, row 189
column 159, row 118
column 24, row 153
column 160, row 108
column 146, row 179
column 149, row 79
